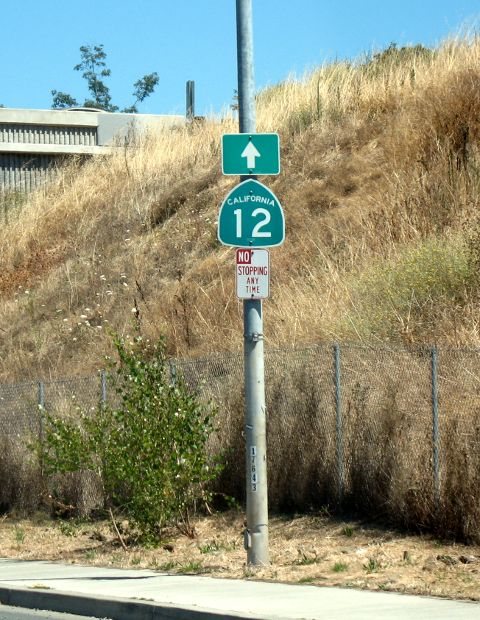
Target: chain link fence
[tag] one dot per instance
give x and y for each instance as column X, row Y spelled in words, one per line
column 379, row 430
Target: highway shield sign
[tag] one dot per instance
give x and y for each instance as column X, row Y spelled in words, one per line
column 251, row 217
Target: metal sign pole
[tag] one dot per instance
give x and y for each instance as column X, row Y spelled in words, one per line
column 256, row 534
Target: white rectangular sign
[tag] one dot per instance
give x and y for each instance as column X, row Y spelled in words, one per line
column 252, row 273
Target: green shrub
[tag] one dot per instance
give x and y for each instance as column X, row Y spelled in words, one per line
column 393, row 56
column 409, row 287
column 149, row 451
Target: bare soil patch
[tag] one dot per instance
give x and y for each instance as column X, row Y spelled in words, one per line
column 304, row 549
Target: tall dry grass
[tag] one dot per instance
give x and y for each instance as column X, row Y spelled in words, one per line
column 378, row 157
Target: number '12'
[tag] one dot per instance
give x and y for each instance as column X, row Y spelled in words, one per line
column 257, row 229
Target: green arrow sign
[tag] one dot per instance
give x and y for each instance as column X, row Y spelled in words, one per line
column 256, row 153
column 251, row 217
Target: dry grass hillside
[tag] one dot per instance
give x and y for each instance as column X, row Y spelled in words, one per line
column 380, row 185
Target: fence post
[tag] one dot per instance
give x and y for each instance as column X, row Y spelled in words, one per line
column 103, row 388
column 41, row 410
column 173, row 371
column 435, row 426
column 338, row 422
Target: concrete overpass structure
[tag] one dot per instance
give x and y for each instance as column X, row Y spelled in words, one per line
column 34, row 142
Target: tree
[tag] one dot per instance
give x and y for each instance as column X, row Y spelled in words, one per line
column 62, row 100
column 149, row 450
column 94, row 70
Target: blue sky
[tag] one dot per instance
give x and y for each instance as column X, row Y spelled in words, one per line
column 195, row 39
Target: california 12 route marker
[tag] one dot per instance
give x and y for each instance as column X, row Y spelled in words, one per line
column 251, row 217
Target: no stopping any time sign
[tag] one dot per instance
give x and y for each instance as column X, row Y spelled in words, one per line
column 252, row 273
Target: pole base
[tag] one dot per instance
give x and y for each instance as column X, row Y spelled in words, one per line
column 257, row 549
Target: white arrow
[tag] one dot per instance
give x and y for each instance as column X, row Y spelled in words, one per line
column 251, row 153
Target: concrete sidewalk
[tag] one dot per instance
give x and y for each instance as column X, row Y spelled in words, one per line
column 138, row 594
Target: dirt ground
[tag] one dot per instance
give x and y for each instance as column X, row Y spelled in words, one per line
column 316, row 550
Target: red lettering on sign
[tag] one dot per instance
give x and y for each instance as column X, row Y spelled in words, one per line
column 244, row 257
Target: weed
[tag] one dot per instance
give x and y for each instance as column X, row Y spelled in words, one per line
column 348, row 531
column 249, row 572
column 167, row 566
column 407, row 558
column 191, row 567
column 19, row 535
column 216, row 546
column 90, row 555
column 385, row 586
column 339, row 567
column 68, row 528
column 211, row 547
column 372, row 566
column 306, row 560
column 306, row 580
column 324, row 512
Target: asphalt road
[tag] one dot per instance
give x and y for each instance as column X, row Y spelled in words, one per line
column 19, row 613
